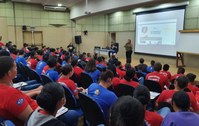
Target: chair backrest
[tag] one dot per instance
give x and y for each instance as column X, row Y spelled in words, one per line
column 153, row 86
column 7, row 123
column 35, row 76
column 21, row 70
column 71, row 102
column 46, row 79
column 75, row 79
column 124, row 89
column 85, row 80
column 91, row 109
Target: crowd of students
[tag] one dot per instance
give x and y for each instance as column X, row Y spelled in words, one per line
column 60, row 65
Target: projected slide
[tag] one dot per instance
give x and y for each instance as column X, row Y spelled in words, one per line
column 157, row 32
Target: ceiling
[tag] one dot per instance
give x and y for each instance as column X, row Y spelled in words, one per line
column 67, row 3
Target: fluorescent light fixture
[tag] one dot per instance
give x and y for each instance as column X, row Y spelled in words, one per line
column 59, row 5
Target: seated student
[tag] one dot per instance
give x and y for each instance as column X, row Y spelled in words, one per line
column 119, row 70
column 92, row 70
column 112, row 60
column 151, row 68
column 67, row 60
column 156, row 76
column 142, row 65
column 88, row 57
column 3, row 52
column 20, row 58
column 32, row 61
column 42, row 63
column 142, row 94
column 182, row 116
column 180, row 72
column 52, row 73
column 127, row 111
column 101, row 94
column 130, row 73
column 180, row 84
column 51, row 99
column 82, row 60
column 100, row 63
column 165, row 71
column 77, row 70
column 191, row 86
column 66, row 73
column 15, row 105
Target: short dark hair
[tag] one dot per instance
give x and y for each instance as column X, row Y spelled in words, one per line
column 191, row 77
column 130, row 73
column 66, row 69
column 6, row 63
column 52, row 62
column 21, row 52
column 152, row 62
column 157, row 66
column 74, row 62
column 166, row 67
column 106, row 75
column 141, row 60
column 4, row 53
column 127, row 111
column 112, row 68
column 181, row 100
column 49, row 96
column 99, row 59
column 32, row 54
column 118, row 63
column 45, row 57
column 142, row 94
column 181, row 70
column 182, row 82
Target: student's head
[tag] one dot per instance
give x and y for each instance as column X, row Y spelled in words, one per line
column 166, row 67
column 32, row 54
column 52, row 61
column 68, row 59
column 51, row 98
column 67, row 70
column 181, row 70
column 118, row 63
column 127, row 111
column 152, row 62
column 45, row 57
column 107, row 76
column 90, row 66
column 21, row 52
column 112, row 68
column 181, row 101
column 4, row 53
column 182, row 82
column 157, row 66
column 191, row 77
column 99, row 59
column 128, row 66
column 142, row 94
column 130, row 73
column 8, row 68
column 74, row 62
column 141, row 60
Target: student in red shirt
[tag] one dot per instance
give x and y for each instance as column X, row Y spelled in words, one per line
column 130, row 73
column 14, row 105
column 165, row 71
column 120, row 72
column 77, row 69
column 32, row 62
column 180, row 72
column 180, row 84
column 191, row 85
column 152, row 118
column 156, row 76
column 67, row 72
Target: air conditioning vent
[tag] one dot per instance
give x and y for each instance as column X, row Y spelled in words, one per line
column 54, row 8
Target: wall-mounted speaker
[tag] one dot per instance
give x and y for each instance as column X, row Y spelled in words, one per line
column 24, row 28
column 78, row 39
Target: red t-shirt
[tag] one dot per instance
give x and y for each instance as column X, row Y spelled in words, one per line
column 115, row 83
column 40, row 57
column 131, row 83
column 120, row 73
column 166, row 96
column 78, row 71
column 32, row 63
column 13, row 103
column 2, row 44
column 70, row 84
column 46, row 68
column 153, row 118
column 13, row 56
column 176, row 76
column 166, row 74
column 193, row 88
column 161, row 79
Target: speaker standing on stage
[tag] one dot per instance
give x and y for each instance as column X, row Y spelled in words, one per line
column 71, row 48
column 129, row 47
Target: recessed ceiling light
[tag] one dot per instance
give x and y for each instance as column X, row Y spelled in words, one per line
column 59, row 5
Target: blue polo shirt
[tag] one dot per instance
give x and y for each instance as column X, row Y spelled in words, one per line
column 103, row 97
column 94, row 75
column 52, row 74
column 21, row 59
column 40, row 66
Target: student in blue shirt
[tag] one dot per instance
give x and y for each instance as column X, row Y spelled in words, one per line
column 41, row 64
column 21, row 59
column 101, row 94
column 52, row 73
